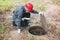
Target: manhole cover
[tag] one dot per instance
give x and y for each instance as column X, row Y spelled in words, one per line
column 37, row 30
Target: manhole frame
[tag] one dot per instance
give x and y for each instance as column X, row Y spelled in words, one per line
column 36, row 26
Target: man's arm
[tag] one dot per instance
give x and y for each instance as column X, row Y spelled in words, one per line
column 35, row 12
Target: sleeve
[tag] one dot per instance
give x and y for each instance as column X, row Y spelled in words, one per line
column 14, row 14
column 17, row 13
column 35, row 12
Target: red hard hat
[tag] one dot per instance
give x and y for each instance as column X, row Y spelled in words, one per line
column 29, row 6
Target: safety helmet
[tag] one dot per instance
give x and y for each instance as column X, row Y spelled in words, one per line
column 29, row 6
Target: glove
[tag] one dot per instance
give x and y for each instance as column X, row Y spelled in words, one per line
column 19, row 30
column 41, row 13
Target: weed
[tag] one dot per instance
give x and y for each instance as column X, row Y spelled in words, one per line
column 31, row 38
column 25, row 1
column 57, row 30
column 6, row 5
column 1, row 27
column 57, row 2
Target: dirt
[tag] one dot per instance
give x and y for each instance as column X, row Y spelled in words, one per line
column 52, row 14
column 24, row 36
column 2, row 18
column 1, row 38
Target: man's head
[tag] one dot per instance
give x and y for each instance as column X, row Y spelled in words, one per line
column 28, row 7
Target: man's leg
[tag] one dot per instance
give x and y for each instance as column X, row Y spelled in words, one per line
column 18, row 23
column 13, row 22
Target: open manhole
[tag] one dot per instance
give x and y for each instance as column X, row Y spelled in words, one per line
column 37, row 30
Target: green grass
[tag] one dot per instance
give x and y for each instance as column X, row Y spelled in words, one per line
column 50, row 24
column 31, row 38
column 1, row 27
column 57, row 30
column 6, row 5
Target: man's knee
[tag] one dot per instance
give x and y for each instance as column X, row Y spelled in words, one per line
column 13, row 22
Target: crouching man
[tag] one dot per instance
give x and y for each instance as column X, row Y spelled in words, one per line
column 23, row 12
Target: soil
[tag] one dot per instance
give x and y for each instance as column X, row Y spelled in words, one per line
column 52, row 15
column 1, row 38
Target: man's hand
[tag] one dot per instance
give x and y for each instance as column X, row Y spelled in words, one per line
column 41, row 13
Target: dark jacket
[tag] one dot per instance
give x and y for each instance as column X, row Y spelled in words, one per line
column 18, row 13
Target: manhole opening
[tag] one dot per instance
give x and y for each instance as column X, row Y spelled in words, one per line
column 37, row 30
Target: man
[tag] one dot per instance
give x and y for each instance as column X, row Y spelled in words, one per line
column 23, row 12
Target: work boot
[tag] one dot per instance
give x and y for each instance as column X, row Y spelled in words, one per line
column 19, row 31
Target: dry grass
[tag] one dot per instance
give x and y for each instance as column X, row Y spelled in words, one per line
column 57, row 2
column 52, row 28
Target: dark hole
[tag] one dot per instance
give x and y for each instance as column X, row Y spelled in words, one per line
column 37, row 30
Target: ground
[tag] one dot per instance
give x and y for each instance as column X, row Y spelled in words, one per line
column 52, row 15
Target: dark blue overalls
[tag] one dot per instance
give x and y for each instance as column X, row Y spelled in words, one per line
column 20, row 13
